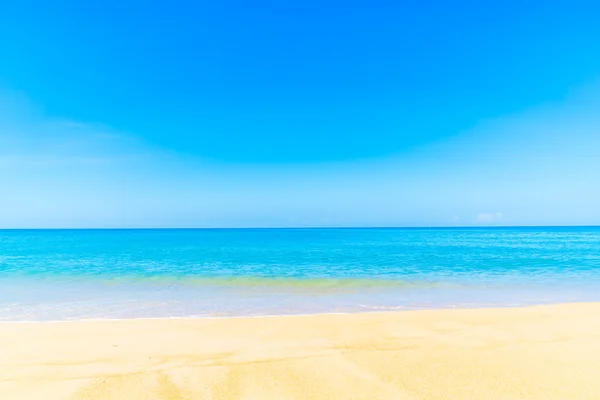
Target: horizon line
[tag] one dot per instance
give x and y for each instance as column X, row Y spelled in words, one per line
column 300, row 227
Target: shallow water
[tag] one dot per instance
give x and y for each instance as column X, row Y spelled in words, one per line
column 80, row 274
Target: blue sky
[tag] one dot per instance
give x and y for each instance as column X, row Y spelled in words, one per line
column 329, row 113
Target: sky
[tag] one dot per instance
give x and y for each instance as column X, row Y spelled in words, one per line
column 299, row 114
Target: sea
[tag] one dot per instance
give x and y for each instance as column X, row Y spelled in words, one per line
column 58, row 275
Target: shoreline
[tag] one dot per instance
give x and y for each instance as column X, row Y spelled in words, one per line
column 213, row 317
column 533, row 352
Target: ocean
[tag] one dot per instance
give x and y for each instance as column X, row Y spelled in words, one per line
column 93, row 274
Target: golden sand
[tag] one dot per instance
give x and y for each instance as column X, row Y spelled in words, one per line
column 547, row 352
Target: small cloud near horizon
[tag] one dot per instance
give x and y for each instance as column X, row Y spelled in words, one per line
column 489, row 218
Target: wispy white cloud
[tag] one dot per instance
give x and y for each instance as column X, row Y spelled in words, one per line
column 489, row 218
column 539, row 167
column 534, row 140
column 29, row 138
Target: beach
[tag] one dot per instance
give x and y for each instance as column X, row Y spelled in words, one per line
column 540, row 352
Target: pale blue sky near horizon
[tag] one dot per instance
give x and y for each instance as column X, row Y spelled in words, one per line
column 297, row 114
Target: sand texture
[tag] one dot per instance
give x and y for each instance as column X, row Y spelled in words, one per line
column 546, row 352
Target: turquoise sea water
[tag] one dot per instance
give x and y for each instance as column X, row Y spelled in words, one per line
column 81, row 274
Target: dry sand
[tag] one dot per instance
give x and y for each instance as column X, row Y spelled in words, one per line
column 547, row 352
